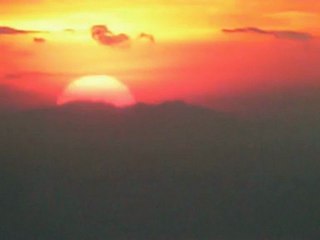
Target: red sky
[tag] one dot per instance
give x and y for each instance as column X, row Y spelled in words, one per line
column 220, row 53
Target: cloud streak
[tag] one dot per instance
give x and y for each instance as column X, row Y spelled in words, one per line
column 13, row 31
column 281, row 34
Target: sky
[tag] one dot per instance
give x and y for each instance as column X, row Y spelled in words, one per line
column 226, row 54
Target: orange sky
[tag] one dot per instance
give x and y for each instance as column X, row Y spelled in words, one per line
column 166, row 19
column 193, row 59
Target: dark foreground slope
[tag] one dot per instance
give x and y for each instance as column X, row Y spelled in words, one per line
column 171, row 171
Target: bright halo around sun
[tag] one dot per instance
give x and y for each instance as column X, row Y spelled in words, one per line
column 99, row 88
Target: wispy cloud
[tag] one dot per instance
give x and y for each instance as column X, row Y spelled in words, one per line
column 69, row 30
column 284, row 34
column 147, row 36
column 39, row 40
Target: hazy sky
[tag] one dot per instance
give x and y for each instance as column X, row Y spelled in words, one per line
column 169, row 170
column 204, row 50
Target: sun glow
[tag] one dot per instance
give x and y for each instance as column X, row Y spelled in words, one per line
column 98, row 88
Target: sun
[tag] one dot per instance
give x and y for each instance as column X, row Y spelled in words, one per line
column 97, row 88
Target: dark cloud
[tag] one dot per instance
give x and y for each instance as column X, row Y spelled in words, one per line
column 285, row 34
column 148, row 37
column 39, row 40
column 246, row 30
column 104, row 36
column 13, row 31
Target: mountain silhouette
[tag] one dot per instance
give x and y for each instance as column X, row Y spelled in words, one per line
column 166, row 171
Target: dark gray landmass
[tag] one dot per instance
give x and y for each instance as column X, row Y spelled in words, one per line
column 168, row 171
